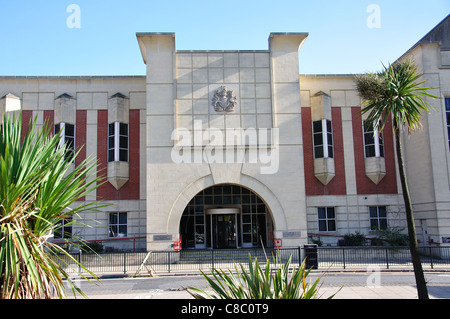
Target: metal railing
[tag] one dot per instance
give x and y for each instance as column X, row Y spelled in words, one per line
column 188, row 261
column 383, row 257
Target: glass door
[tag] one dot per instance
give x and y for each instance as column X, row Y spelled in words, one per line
column 224, row 231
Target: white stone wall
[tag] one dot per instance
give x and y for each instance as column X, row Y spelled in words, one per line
column 180, row 85
column 427, row 151
column 200, row 74
column 352, row 214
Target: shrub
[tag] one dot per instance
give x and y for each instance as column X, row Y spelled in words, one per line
column 393, row 236
column 356, row 239
column 256, row 283
column 92, row 247
column 316, row 240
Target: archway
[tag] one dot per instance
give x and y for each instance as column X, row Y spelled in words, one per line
column 226, row 216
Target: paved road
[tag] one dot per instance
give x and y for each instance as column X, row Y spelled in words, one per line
column 369, row 285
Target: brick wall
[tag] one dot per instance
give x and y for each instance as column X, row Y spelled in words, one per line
column 388, row 185
column 337, row 186
column 131, row 189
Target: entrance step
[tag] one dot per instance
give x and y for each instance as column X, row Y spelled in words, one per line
column 225, row 255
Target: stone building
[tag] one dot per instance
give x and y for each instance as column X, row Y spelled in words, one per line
column 235, row 149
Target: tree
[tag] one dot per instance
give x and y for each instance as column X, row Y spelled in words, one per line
column 38, row 189
column 395, row 92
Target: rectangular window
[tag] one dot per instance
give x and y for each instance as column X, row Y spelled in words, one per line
column 117, row 142
column 373, row 141
column 118, row 225
column 326, row 218
column 447, row 113
column 378, row 217
column 67, row 138
column 63, row 229
column 323, row 139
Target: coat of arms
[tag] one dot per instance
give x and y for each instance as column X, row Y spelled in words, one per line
column 224, row 100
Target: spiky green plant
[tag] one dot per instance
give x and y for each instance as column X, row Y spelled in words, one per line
column 397, row 92
column 282, row 282
column 37, row 190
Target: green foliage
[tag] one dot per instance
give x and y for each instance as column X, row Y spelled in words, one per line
column 37, row 190
column 282, row 282
column 315, row 240
column 394, row 91
column 356, row 239
column 92, row 247
column 393, row 237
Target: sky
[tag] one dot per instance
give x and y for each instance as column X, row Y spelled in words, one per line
column 97, row 37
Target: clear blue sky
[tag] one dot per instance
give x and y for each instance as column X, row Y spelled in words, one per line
column 35, row 38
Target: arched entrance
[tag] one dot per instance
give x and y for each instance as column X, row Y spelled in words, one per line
column 226, row 216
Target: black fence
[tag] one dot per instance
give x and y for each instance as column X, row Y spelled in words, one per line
column 383, row 257
column 192, row 261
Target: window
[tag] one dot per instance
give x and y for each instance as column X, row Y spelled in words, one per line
column 63, row 229
column 323, row 139
column 447, row 113
column 373, row 141
column 118, row 225
column 327, row 219
column 378, row 217
column 67, row 138
column 118, row 142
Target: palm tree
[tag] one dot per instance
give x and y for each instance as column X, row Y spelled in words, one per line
column 38, row 190
column 395, row 92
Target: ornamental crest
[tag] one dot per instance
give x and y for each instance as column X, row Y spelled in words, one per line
column 224, row 100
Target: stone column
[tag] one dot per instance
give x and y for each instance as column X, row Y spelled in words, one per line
column 289, row 182
column 158, row 52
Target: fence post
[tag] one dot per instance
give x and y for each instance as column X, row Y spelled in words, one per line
column 343, row 256
column 79, row 261
column 299, row 256
column 387, row 258
column 168, row 260
column 431, row 258
column 212, row 258
column 124, row 263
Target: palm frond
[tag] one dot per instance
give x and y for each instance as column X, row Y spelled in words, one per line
column 396, row 92
column 37, row 190
column 281, row 282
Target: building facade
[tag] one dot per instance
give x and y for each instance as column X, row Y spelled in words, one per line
column 233, row 149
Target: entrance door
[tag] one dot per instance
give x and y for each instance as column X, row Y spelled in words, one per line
column 224, row 231
column 223, row 224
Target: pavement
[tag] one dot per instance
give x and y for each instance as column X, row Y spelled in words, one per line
column 389, row 292
column 398, row 289
column 346, row 292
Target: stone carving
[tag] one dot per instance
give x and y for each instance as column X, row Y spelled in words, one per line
column 224, row 100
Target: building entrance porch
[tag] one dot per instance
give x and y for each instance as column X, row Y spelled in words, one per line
column 224, row 230
column 226, row 217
